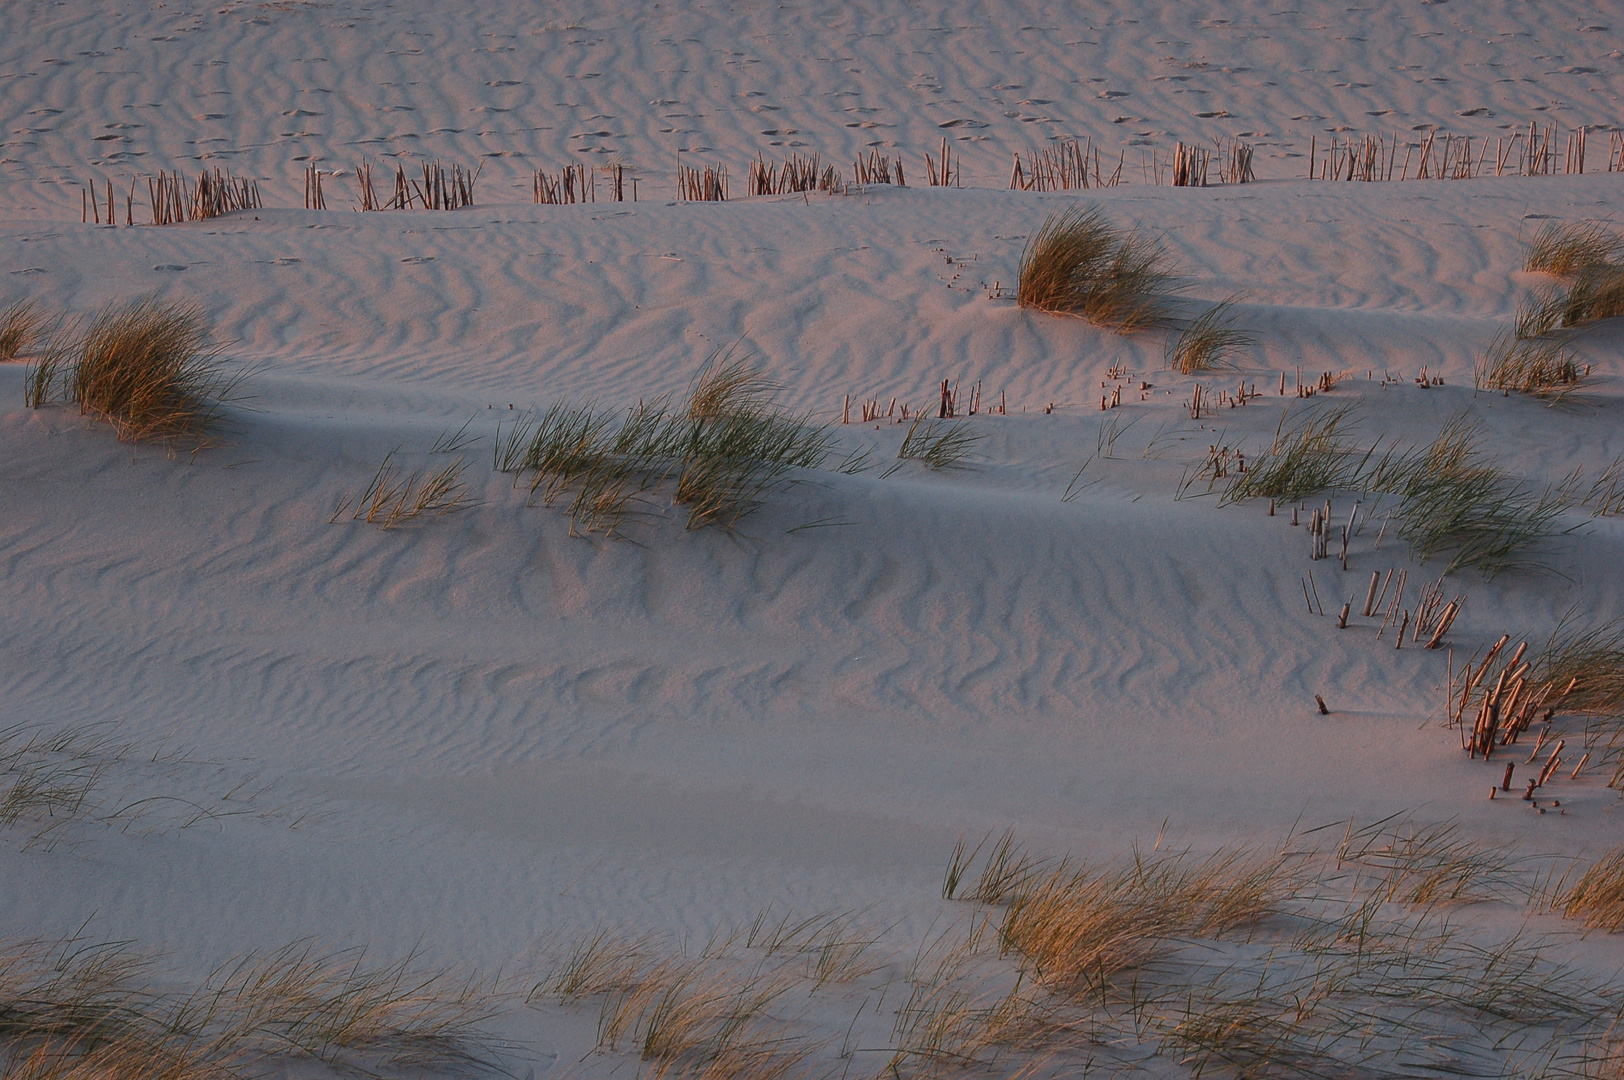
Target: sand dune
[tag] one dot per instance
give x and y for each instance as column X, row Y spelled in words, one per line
column 476, row 735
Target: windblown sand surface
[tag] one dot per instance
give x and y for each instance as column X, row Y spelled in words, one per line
column 478, row 736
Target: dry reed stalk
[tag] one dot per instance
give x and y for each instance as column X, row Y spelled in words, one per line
column 876, row 168
column 798, row 175
column 214, row 194
column 702, row 185
column 314, row 197
column 943, row 171
column 577, row 183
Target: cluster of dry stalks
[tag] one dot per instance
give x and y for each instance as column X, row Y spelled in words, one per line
column 1578, row 673
column 1442, row 156
column 577, row 183
column 150, row 369
column 174, row 200
column 702, row 185
column 876, row 168
column 438, row 189
column 1063, row 167
column 796, row 175
column 942, row 170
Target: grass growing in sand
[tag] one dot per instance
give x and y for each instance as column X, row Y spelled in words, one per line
column 1526, row 365
column 1207, row 342
column 391, row 499
column 1452, row 501
column 47, row 778
column 73, row 1010
column 717, row 453
column 1312, row 451
column 1584, row 254
column 1567, row 248
column 937, row 444
column 23, row 325
column 150, row 369
column 1078, row 263
column 1597, row 898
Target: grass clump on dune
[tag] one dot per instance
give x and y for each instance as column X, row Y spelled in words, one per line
column 22, row 326
column 1584, row 254
column 69, row 1011
column 48, row 778
column 1207, row 342
column 1312, row 452
column 937, row 444
column 1538, row 366
column 1452, row 500
column 1597, row 293
column 717, row 453
column 390, row 499
column 150, row 369
column 1597, row 898
column 1565, row 249
column 1078, row 263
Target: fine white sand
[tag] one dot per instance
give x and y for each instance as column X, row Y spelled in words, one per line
column 480, row 735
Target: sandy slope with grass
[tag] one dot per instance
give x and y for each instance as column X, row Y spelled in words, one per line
column 475, row 739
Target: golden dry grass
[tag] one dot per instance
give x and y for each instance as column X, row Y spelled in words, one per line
column 23, row 326
column 71, row 1011
column 391, row 499
column 1565, row 248
column 1078, row 263
column 1597, row 293
column 1207, row 342
column 1597, row 898
column 1081, row 930
column 1538, row 366
column 150, row 369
